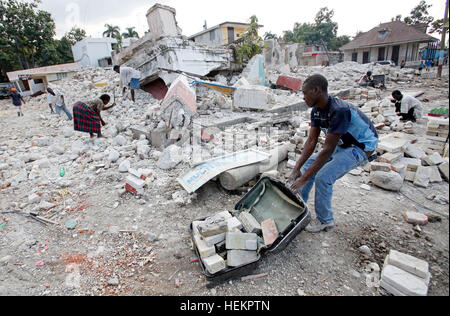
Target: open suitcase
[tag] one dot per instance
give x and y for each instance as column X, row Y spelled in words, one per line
column 268, row 199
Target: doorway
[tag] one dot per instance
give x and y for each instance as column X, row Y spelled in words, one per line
column 395, row 54
column 230, row 35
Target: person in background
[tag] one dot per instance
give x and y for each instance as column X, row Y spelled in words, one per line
column 56, row 98
column 421, row 66
column 403, row 64
column 17, row 100
column 87, row 117
column 409, row 108
column 129, row 78
column 367, row 80
column 429, row 64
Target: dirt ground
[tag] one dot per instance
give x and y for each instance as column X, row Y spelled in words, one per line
column 142, row 246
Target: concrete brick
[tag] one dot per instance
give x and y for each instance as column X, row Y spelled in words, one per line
column 380, row 166
column 213, row 240
column 204, row 250
column 413, row 151
column 435, row 175
column 391, row 181
column 214, row 264
column 214, row 225
column 134, row 185
column 391, row 157
column 444, row 169
column 251, row 97
column 402, row 283
column 409, row 263
column 422, row 178
column 251, row 225
column 269, row 231
column 433, row 160
column 208, row 229
column 241, row 241
column 234, row 223
column 237, row 258
column 415, row 218
column 392, row 144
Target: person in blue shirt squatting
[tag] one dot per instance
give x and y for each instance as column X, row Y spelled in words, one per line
column 351, row 140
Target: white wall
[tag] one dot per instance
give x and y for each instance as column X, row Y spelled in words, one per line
column 88, row 51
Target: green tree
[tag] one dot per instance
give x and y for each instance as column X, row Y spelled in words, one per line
column 420, row 14
column 130, row 33
column 251, row 43
column 24, row 33
column 322, row 31
column 111, row 31
column 270, row 35
column 438, row 27
column 75, row 35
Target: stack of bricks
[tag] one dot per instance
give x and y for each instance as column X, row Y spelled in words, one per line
column 224, row 241
column 404, row 275
column 437, row 134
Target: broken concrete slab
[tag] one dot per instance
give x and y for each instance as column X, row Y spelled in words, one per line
column 435, row 175
column 391, row 181
column 380, row 166
column 423, row 176
column 444, row 169
column 252, row 97
column 433, row 160
column 414, row 151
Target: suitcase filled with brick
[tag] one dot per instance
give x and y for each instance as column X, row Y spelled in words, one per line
column 265, row 220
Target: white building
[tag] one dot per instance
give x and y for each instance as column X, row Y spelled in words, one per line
column 36, row 80
column 94, row 52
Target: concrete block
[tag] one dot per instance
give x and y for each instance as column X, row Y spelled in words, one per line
column 409, row 263
column 237, row 258
column 391, row 181
column 208, row 229
column 391, row 157
column 402, row 283
column 241, row 241
column 380, row 166
column 415, row 218
column 435, row 175
column 444, row 169
column 234, row 223
column 214, row 264
column 392, row 144
column 180, row 91
column 134, row 185
column 269, row 231
column 204, row 250
column 423, row 176
column 413, row 151
column 213, row 240
column 433, row 160
column 251, row 225
column 251, row 97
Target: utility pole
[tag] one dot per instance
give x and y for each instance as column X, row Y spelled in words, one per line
column 444, row 35
column 445, row 28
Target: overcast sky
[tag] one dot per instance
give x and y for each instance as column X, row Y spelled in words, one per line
column 276, row 15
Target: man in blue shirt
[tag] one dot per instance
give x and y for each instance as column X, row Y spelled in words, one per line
column 351, row 139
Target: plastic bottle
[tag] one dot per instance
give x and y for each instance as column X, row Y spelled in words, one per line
column 62, row 172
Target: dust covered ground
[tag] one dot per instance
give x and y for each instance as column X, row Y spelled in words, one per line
column 124, row 245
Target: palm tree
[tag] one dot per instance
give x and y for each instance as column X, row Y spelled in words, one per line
column 130, row 33
column 111, row 31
